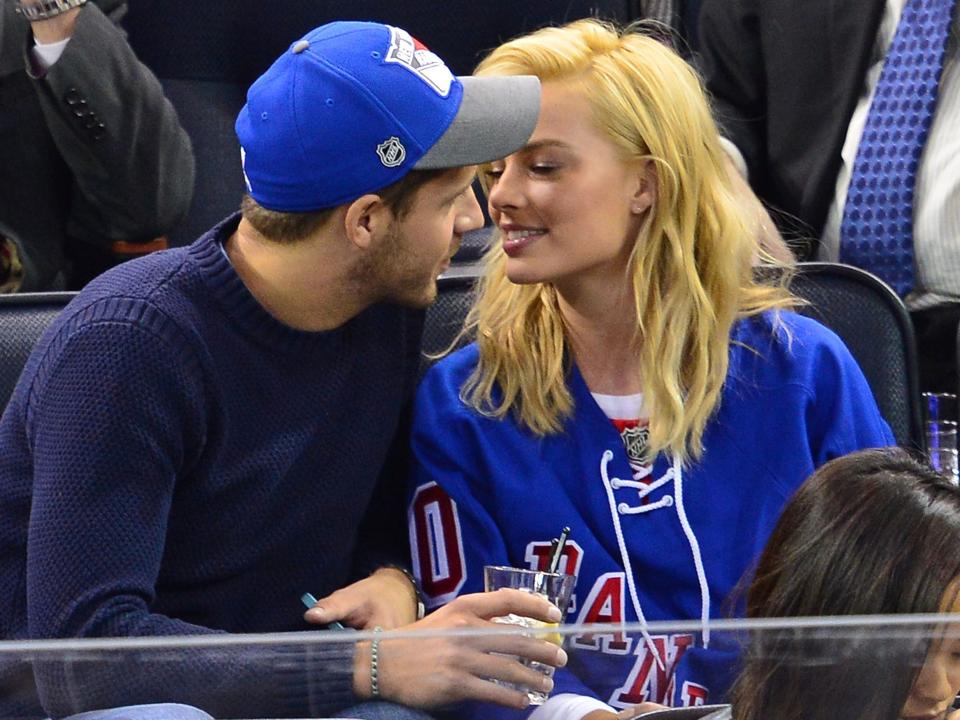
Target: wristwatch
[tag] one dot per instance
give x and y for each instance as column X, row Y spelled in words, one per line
column 46, row 9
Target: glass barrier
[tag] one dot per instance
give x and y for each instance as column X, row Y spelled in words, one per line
column 863, row 667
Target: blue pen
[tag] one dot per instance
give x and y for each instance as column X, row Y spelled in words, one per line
column 309, row 600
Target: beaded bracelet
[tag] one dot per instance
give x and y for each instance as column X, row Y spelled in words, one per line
column 375, row 662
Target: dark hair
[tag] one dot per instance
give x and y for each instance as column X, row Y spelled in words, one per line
column 289, row 227
column 871, row 533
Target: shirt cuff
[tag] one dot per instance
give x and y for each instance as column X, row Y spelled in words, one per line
column 733, row 152
column 568, row 706
column 46, row 54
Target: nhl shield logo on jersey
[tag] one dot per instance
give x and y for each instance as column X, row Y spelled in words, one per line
column 412, row 54
column 635, row 439
column 392, row 152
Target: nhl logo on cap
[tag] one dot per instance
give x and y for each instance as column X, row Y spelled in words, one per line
column 391, row 152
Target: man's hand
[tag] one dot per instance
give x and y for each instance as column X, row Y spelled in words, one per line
column 433, row 671
column 385, row 599
column 56, row 28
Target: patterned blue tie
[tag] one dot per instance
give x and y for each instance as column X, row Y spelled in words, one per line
column 876, row 232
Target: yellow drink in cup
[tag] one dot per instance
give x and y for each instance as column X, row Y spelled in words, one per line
column 553, row 637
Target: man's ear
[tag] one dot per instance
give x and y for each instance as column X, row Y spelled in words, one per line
column 645, row 190
column 367, row 219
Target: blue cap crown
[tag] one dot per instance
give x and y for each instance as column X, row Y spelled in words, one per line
column 353, row 107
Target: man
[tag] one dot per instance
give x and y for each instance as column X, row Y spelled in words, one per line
column 793, row 84
column 203, row 436
column 93, row 154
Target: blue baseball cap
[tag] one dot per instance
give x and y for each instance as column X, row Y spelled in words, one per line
column 352, row 107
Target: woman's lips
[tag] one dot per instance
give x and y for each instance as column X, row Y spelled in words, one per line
column 514, row 241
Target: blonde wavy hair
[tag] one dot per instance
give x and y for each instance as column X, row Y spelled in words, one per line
column 690, row 267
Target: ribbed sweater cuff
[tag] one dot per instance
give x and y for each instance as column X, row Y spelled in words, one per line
column 320, row 674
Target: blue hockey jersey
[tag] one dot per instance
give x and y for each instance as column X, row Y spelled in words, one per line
column 673, row 547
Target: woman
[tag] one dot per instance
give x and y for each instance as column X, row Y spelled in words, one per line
column 631, row 378
column 885, row 531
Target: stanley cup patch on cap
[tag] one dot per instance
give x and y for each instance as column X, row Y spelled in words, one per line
column 412, row 54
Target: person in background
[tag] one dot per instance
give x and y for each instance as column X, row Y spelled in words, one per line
column 207, row 433
column 870, row 533
column 631, row 378
column 93, row 153
column 842, row 117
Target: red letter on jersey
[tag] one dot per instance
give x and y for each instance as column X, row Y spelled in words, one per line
column 437, row 546
column 604, row 604
column 538, row 555
column 693, row 694
column 648, row 682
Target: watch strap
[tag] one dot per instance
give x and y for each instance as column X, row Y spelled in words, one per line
column 46, row 9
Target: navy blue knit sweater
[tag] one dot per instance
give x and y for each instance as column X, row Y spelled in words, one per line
column 175, row 461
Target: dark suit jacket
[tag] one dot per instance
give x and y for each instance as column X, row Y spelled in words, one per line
column 92, row 152
column 785, row 76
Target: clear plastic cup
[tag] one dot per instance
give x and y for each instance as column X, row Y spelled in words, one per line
column 940, row 410
column 555, row 587
column 942, row 449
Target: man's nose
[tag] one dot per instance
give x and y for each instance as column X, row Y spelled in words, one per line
column 469, row 215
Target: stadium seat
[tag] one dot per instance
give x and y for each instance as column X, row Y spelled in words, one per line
column 23, row 318
column 874, row 324
column 455, row 295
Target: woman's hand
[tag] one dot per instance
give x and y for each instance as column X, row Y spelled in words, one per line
column 433, row 671
column 625, row 714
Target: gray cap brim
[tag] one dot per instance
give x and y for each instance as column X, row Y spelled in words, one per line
column 496, row 117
